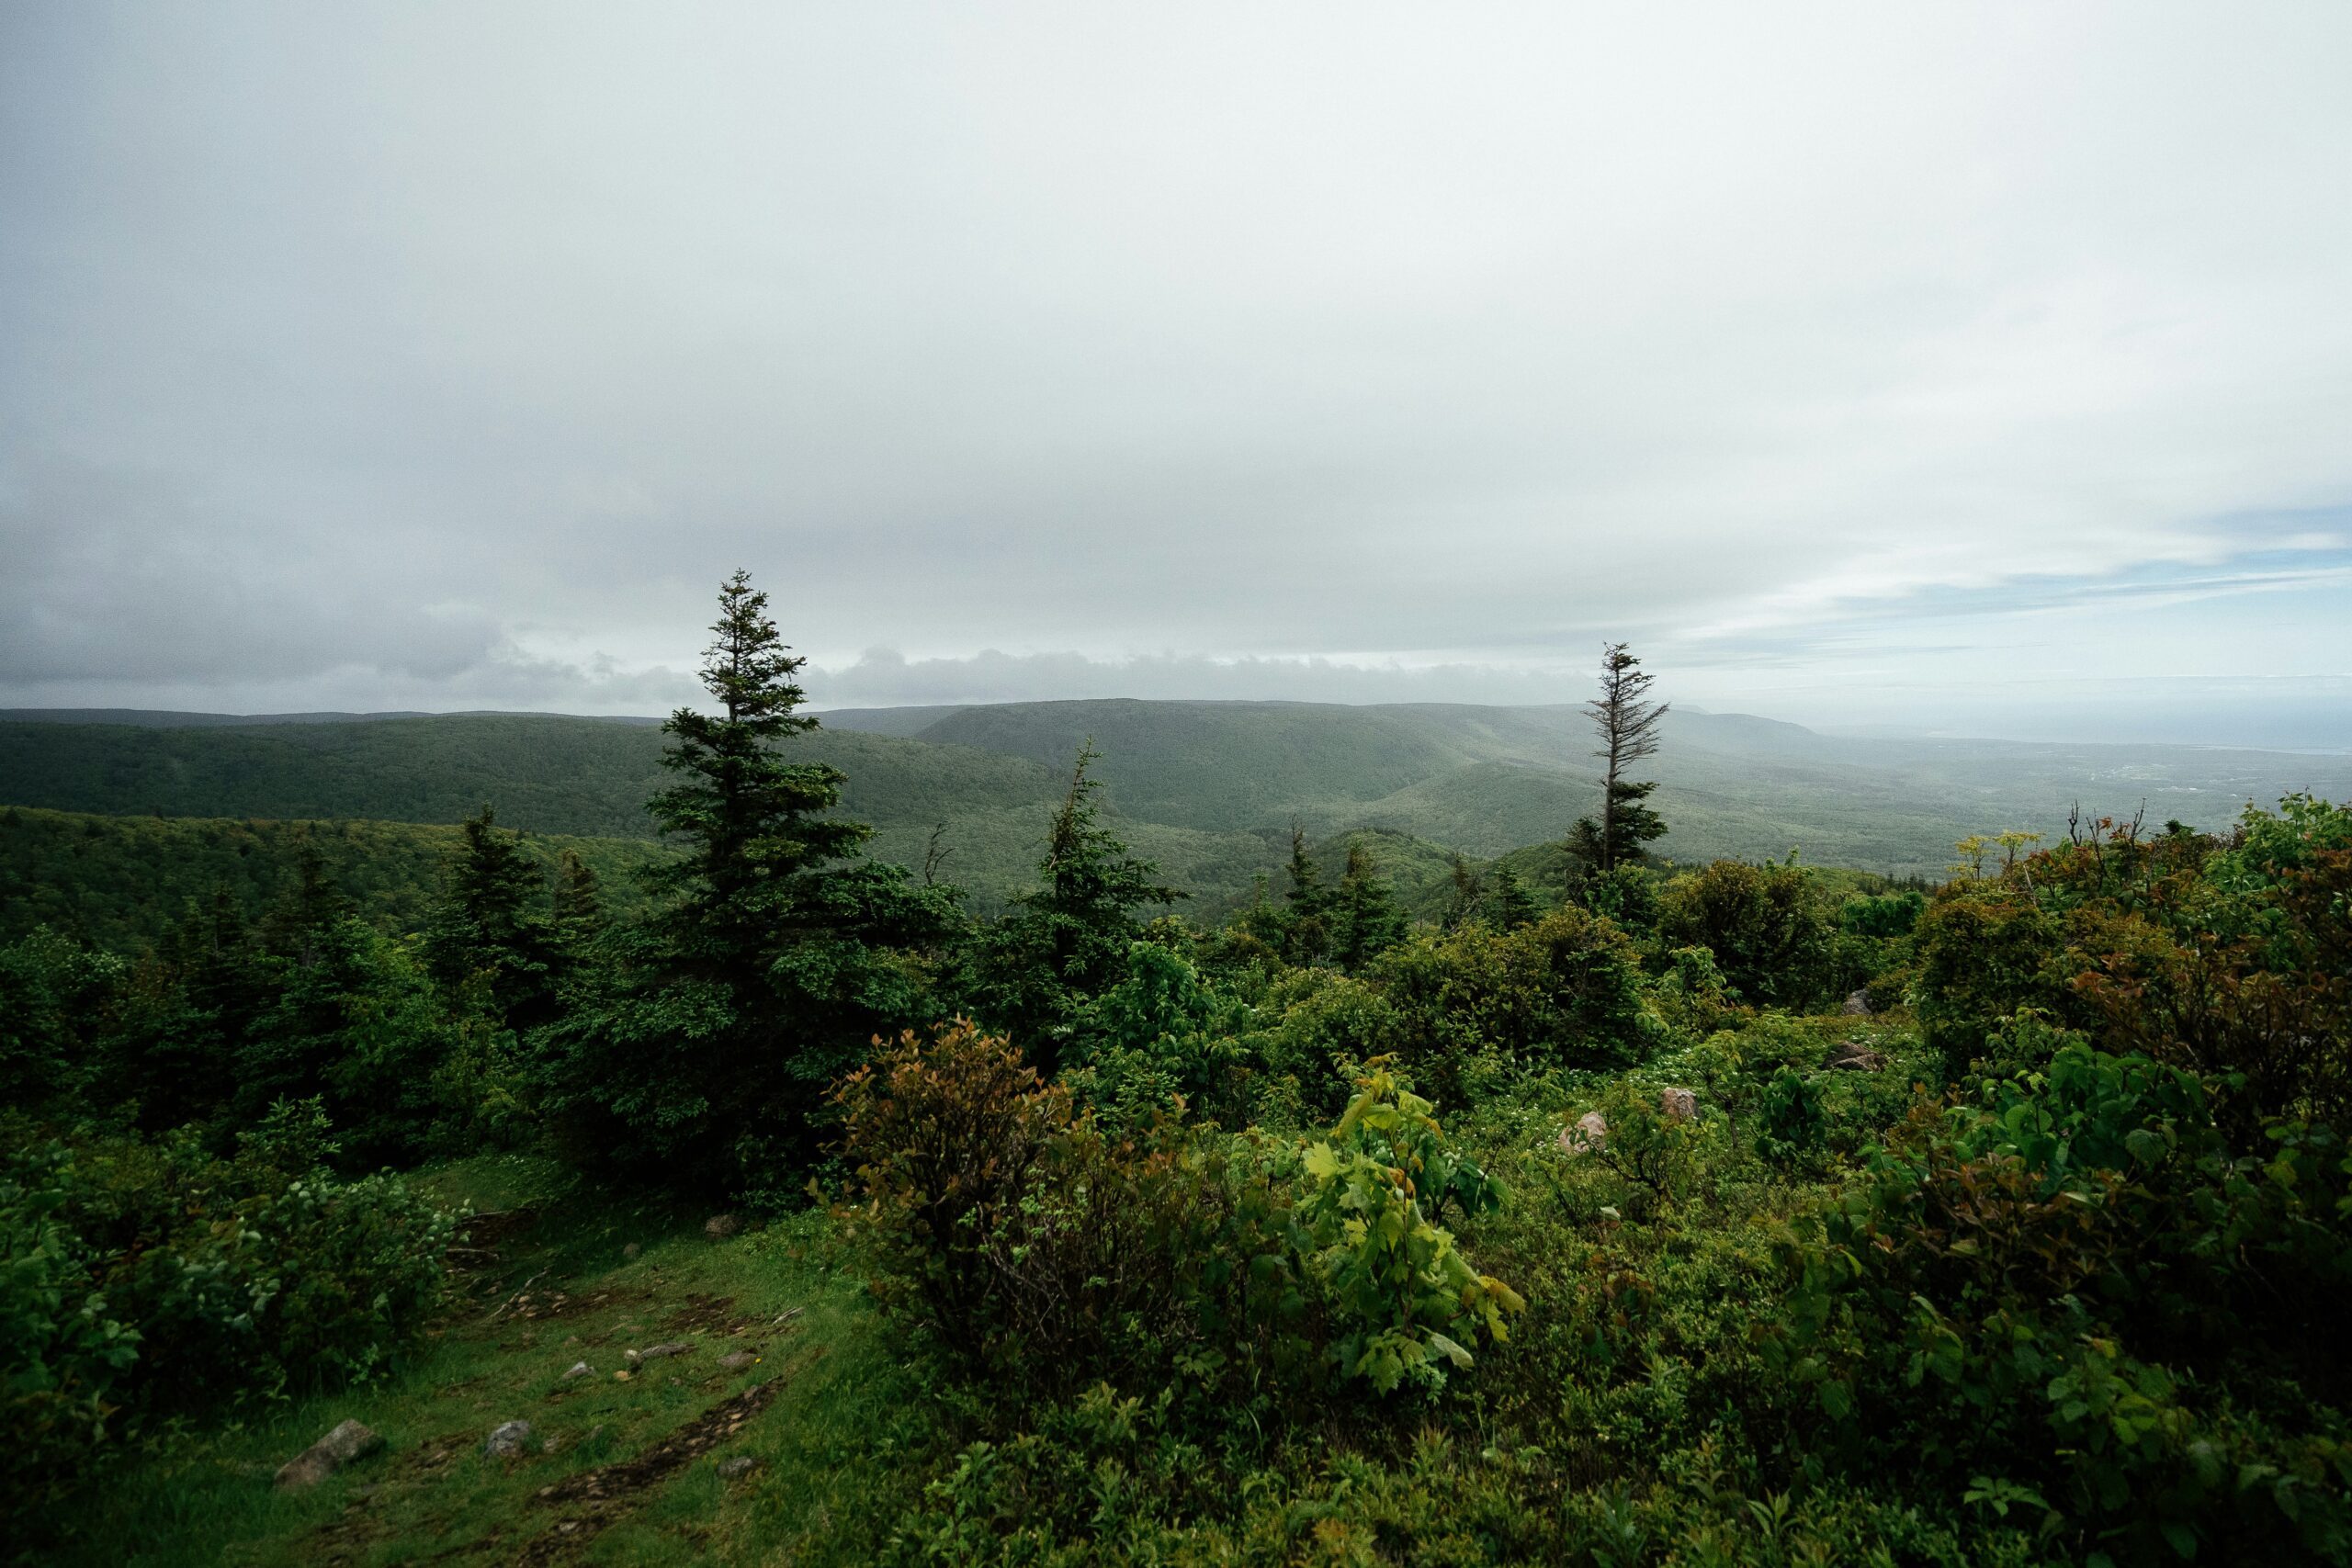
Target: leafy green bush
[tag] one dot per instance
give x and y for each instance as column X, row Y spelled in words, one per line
column 1164, row 1041
column 164, row 1280
column 1563, row 990
column 1039, row 1249
column 61, row 1353
column 1789, row 1126
column 2074, row 1284
column 1764, row 925
column 1401, row 1290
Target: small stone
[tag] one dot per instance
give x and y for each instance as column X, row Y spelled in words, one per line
column 630, row 1251
column 1590, row 1135
column 718, row 1227
column 349, row 1441
column 1677, row 1104
column 507, row 1440
column 620, row 1377
column 663, row 1352
column 632, row 1357
column 741, row 1464
column 579, row 1369
column 736, row 1360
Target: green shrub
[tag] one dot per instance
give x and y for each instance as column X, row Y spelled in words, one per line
column 1790, row 1127
column 2075, row 1283
column 61, row 1352
column 163, row 1280
column 1564, row 990
column 1764, row 925
column 1402, row 1294
column 1041, row 1251
column 1162, row 1042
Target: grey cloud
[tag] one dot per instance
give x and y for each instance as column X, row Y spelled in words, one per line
column 456, row 352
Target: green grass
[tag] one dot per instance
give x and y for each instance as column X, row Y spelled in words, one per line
column 833, row 1441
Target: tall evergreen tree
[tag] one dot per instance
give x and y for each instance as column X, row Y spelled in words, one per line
column 1307, row 904
column 1467, row 897
column 758, row 829
column 781, row 952
column 489, row 927
column 576, row 905
column 1508, row 904
column 1626, row 723
column 1366, row 920
column 1066, row 939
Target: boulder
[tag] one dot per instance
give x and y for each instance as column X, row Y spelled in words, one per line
column 1590, row 1135
column 737, row 1360
column 1677, row 1104
column 1859, row 1005
column 347, row 1442
column 507, row 1440
column 1854, row 1056
column 663, row 1352
column 718, row 1227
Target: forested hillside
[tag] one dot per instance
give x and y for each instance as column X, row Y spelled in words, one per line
column 376, row 1191
column 121, row 882
column 1210, row 789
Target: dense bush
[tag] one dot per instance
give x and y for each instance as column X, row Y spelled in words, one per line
column 2231, row 960
column 2073, row 1290
column 1763, row 923
column 1564, row 990
column 1039, row 1248
column 158, row 1279
column 1402, row 1294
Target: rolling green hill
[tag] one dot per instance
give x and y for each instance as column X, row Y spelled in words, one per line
column 1210, row 790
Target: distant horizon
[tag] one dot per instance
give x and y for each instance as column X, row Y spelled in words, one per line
column 1874, row 730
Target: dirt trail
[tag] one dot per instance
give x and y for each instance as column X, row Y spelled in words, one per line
column 596, row 1499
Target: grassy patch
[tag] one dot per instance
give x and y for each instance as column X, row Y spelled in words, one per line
column 621, row 1469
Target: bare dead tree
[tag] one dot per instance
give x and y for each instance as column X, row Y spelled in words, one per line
column 934, row 855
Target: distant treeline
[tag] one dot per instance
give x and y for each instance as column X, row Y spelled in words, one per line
column 120, row 882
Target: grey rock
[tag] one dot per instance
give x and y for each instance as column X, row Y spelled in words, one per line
column 740, row 1465
column 736, row 1360
column 349, row 1441
column 1677, row 1104
column 1859, row 1005
column 663, row 1352
column 507, row 1440
column 718, row 1227
column 1590, row 1135
column 579, row 1369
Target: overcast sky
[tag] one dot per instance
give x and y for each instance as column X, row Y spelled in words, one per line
column 1968, row 365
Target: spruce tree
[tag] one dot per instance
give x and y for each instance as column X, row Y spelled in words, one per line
column 1066, row 939
column 1626, row 723
column 488, row 926
column 1508, row 904
column 576, row 905
column 1307, row 905
column 1467, row 899
column 726, row 1015
column 757, row 827
column 1365, row 915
